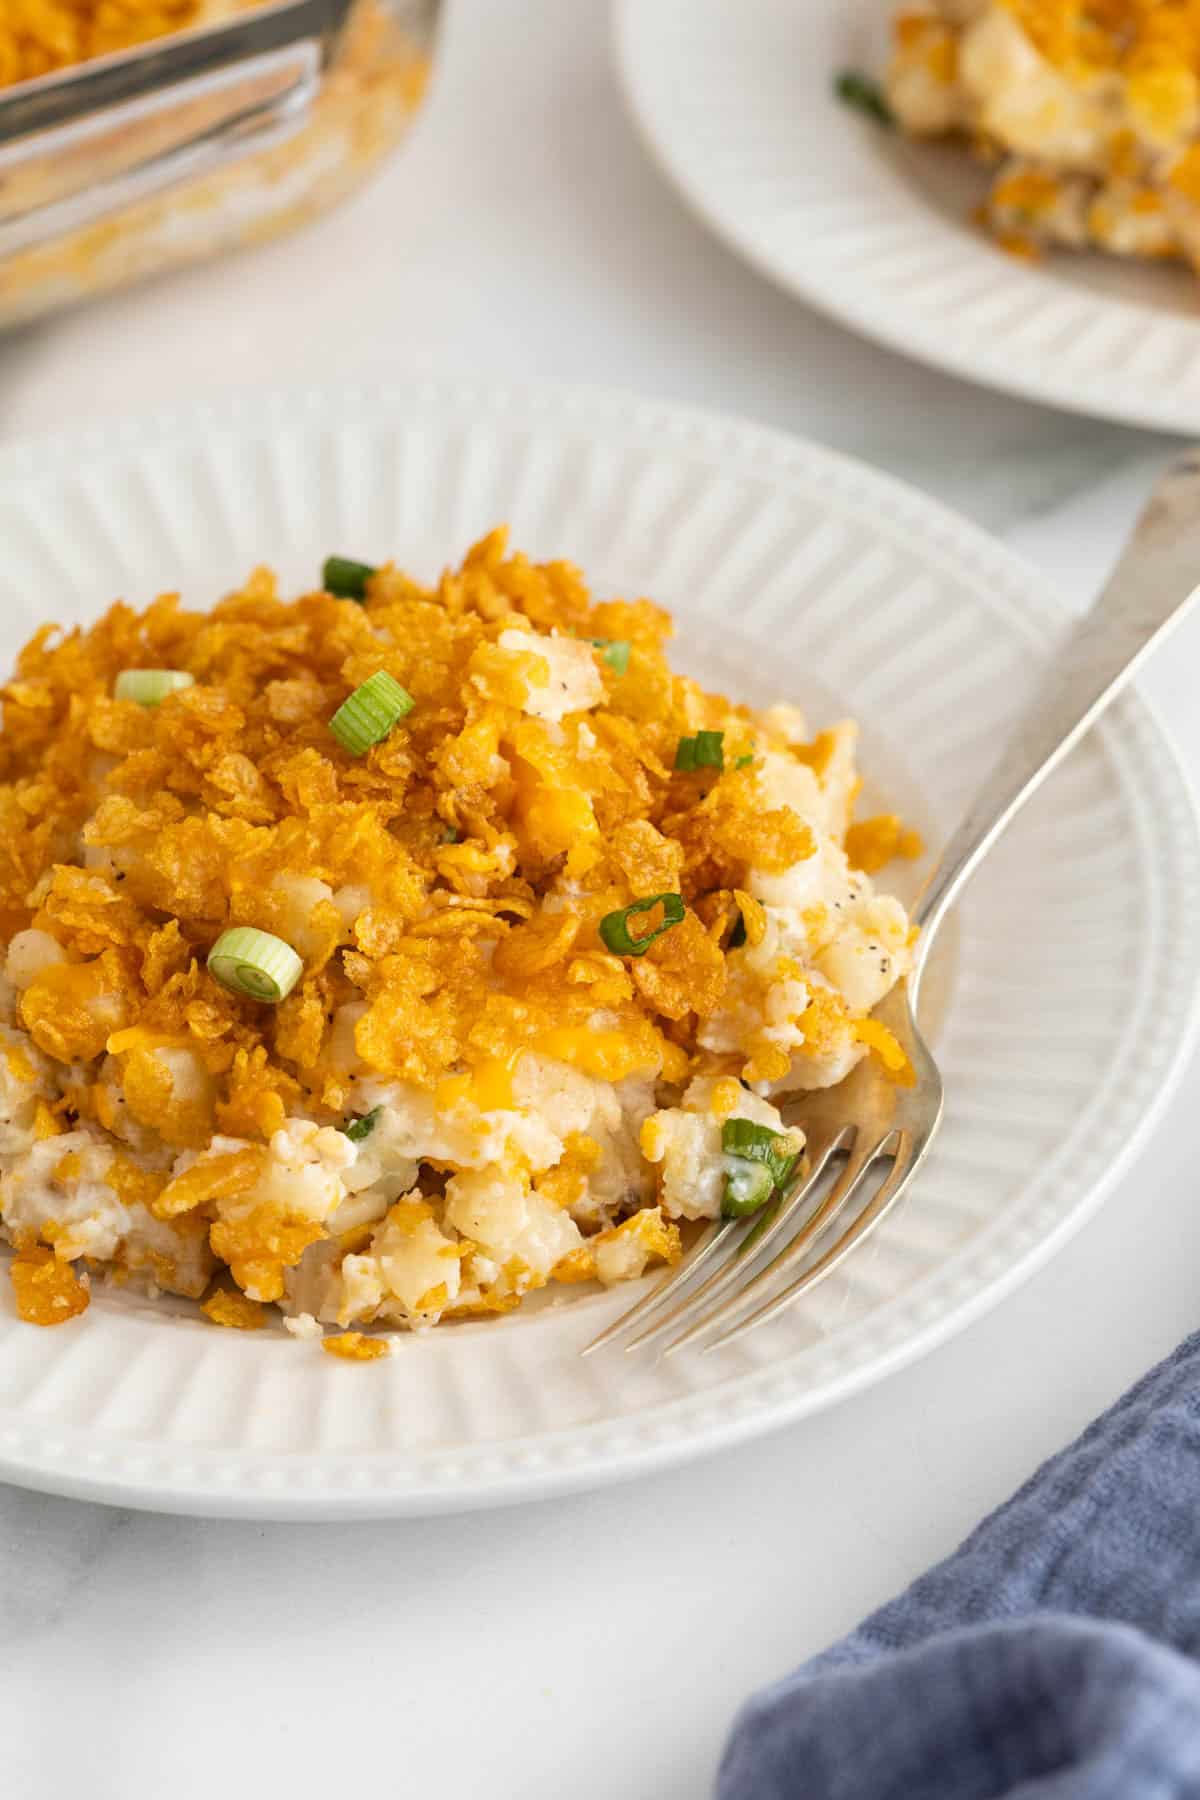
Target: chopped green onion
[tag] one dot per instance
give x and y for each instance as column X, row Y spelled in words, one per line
column 704, row 751
column 370, row 713
column 150, row 687
column 758, row 1143
column 748, row 1186
column 346, row 578
column 744, row 1137
column 743, row 762
column 450, row 835
column 255, row 963
column 616, row 653
column 358, row 1129
column 737, row 936
column 614, row 926
column 858, row 90
column 758, row 1163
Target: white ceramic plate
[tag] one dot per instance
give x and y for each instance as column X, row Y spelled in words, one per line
column 735, row 98
column 794, row 573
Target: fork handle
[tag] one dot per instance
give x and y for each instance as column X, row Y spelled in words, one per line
column 1152, row 587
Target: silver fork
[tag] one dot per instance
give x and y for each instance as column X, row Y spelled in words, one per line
column 723, row 1288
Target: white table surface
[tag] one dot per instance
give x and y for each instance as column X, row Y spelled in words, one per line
column 597, row 1645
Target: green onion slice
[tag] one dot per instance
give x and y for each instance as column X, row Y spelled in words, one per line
column 358, row 1129
column 614, row 926
column 255, row 963
column 704, row 751
column 370, row 713
column 743, row 762
column 759, row 1144
column 149, row 687
column 858, row 90
column 615, row 652
column 748, row 1186
column 346, row 578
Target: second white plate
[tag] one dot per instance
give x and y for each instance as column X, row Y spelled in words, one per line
column 793, row 573
column 737, row 103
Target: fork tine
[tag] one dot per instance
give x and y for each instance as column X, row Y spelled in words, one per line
column 877, row 1209
column 672, row 1282
column 835, row 1202
column 754, row 1240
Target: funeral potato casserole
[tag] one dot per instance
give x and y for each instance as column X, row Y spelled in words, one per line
column 386, row 954
column 1089, row 111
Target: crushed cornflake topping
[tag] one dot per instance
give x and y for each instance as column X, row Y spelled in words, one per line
column 472, row 1091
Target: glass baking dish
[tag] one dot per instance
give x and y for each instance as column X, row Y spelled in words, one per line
column 247, row 123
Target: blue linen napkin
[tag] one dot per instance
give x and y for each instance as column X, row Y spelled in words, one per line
column 1049, row 1658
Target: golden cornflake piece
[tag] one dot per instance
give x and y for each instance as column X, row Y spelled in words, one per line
column 212, row 1178
column 228, row 1306
column 683, row 971
column 753, row 917
column 48, row 1292
column 536, row 946
column 355, row 1346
